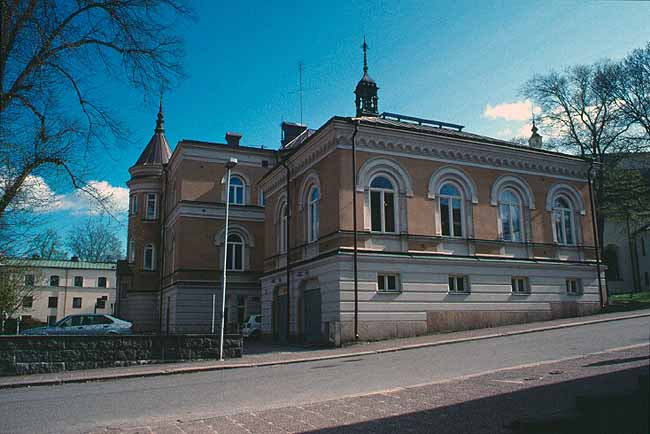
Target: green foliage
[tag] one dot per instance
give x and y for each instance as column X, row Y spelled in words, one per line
column 625, row 196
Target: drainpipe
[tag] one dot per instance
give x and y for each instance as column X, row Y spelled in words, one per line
column 163, row 213
column 65, row 291
column 594, row 225
column 288, row 267
column 354, row 229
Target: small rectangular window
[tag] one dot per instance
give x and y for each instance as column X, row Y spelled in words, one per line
column 101, row 282
column 76, row 303
column 54, row 280
column 387, row 283
column 520, row 285
column 28, row 301
column 458, row 284
column 29, row 280
column 101, row 303
column 78, row 281
column 53, row 302
column 134, row 204
column 151, row 206
column 573, row 286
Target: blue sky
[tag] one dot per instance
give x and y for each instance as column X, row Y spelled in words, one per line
column 460, row 62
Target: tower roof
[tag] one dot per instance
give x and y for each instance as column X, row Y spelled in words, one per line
column 366, row 90
column 157, row 150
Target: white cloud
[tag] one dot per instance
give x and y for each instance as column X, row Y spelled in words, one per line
column 505, row 134
column 511, row 111
column 79, row 202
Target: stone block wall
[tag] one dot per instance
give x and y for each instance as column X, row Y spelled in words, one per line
column 42, row 354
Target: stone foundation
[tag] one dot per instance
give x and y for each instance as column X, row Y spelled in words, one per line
column 41, row 354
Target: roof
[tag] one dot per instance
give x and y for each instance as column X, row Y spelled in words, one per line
column 59, row 263
column 157, row 150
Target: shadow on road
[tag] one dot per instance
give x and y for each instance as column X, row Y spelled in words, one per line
column 616, row 402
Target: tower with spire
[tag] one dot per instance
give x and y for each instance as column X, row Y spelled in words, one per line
column 366, row 90
column 535, row 140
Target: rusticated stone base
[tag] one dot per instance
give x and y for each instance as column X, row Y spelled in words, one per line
column 42, row 354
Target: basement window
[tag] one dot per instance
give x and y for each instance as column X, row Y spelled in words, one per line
column 458, row 284
column 520, row 285
column 573, row 286
column 387, row 283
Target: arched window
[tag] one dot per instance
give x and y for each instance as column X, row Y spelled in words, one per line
column 235, row 253
column 382, row 205
column 236, row 190
column 510, row 216
column 132, row 250
column 282, row 229
column 313, row 214
column 149, row 258
column 451, row 210
column 563, row 221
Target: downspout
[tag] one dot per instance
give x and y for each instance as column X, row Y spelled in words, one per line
column 354, row 230
column 163, row 214
column 594, row 225
column 288, row 237
column 65, row 291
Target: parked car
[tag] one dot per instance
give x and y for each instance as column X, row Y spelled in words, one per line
column 84, row 324
column 252, row 327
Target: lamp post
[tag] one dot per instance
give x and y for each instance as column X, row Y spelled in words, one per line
column 229, row 165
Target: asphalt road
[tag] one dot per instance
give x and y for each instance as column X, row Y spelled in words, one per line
column 74, row 408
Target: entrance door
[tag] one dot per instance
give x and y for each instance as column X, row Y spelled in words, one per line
column 312, row 303
column 281, row 307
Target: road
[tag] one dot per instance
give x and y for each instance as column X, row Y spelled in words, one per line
column 75, row 408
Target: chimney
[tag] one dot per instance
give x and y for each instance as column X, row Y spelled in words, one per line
column 233, row 138
column 290, row 131
column 75, row 259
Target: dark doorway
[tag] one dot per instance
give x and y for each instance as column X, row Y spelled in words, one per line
column 312, row 316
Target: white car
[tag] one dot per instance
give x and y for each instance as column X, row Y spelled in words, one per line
column 252, row 327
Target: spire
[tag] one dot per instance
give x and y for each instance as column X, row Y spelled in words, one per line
column 157, row 150
column 366, row 90
column 160, row 122
column 535, row 140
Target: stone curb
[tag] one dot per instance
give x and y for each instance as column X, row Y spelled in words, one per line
column 219, row 367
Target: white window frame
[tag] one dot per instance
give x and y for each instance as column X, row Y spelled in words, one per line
column 383, row 279
column 234, row 188
column 230, row 259
column 573, row 286
column 562, row 212
column 154, row 215
column 452, row 284
column 382, row 203
column 520, row 285
column 450, row 211
column 512, row 210
column 133, row 204
column 313, row 214
column 131, row 250
column 152, row 266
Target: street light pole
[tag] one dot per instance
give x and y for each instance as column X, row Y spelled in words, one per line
column 229, row 165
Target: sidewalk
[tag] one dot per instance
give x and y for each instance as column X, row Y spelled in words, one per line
column 287, row 355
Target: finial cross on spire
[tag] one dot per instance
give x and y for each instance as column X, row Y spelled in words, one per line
column 365, row 49
column 160, row 121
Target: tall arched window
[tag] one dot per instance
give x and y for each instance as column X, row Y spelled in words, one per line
column 563, row 221
column 236, row 190
column 382, row 205
column 451, row 210
column 132, row 250
column 235, row 253
column 510, row 215
column 313, row 214
column 149, row 258
column 282, row 229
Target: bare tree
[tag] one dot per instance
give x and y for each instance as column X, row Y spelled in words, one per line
column 47, row 245
column 95, row 241
column 17, row 282
column 53, row 57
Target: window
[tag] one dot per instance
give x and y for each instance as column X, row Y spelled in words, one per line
column 510, row 215
column 520, row 285
column 451, row 210
column 132, row 251
column 573, row 287
column 236, row 190
column 29, row 280
column 76, row 303
column 235, row 253
column 28, row 301
column 152, row 206
column 133, row 208
column 149, row 258
column 382, row 205
column 458, row 284
column 101, row 282
column 261, row 198
column 241, row 308
column 313, row 214
column 52, row 302
column 282, row 232
column 387, row 283
column 563, row 221
column 78, row 281
column 101, row 319
column 101, row 303
column 54, row 280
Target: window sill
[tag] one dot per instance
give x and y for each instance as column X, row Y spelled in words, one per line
column 393, row 292
column 520, row 294
column 459, row 292
column 574, row 294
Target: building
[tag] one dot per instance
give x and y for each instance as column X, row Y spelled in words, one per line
column 62, row 287
column 453, row 231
